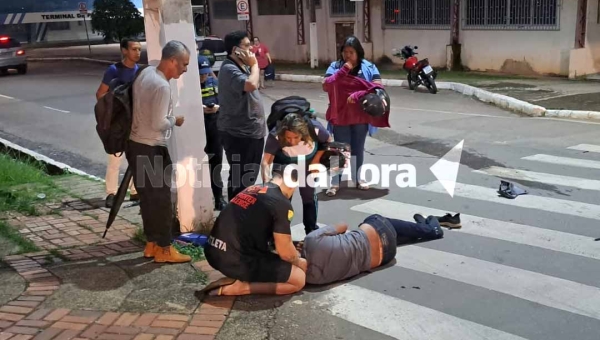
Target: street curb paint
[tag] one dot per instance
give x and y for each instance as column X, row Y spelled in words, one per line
column 505, row 102
column 46, row 160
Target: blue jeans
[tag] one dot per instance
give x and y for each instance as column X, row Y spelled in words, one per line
column 409, row 231
column 355, row 135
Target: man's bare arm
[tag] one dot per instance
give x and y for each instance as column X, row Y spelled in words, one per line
column 102, row 90
column 287, row 252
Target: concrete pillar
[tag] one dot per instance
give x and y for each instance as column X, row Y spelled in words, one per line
column 167, row 20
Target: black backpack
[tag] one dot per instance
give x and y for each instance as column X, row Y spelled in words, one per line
column 114, row 116
column 291, row 104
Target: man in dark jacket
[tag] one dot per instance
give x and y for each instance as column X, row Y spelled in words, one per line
column 213, row 148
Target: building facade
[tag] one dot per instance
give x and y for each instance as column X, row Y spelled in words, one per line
column 42, row 21
column 556, row 37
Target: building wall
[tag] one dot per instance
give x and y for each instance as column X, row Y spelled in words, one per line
column 585, row 61
column 76, row 32
column 513, row 51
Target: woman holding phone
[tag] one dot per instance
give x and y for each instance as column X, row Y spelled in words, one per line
column 351, row 128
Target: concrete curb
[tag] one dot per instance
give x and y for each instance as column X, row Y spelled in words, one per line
column 574, row 114
column 55, row 165
column 99, row 61
column 502, row 101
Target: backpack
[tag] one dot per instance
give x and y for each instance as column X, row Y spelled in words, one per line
column 291, row 104
column 114, row 116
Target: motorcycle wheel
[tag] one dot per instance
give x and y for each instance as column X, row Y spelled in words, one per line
column 411, row 84
column 431, row 85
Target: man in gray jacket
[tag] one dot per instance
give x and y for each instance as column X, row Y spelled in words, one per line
column 147, row 151
column 334, row 254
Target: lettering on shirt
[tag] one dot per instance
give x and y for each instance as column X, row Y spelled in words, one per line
column 243, row 200
column 219, row 244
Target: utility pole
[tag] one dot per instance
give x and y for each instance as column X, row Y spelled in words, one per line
column 314, row 43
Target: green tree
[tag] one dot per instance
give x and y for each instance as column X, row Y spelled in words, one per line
column 116, row 19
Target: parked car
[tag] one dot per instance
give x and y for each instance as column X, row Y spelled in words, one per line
column 12, row 55
column 213, row 48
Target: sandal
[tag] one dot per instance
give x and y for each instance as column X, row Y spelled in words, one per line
column 331, row 191
column 220, row 283
column 362, row 186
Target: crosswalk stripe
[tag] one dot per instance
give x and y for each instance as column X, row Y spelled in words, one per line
column 540, row 177
column 586, row 147
column 528, row 201
column 402, row 319
column 500, row 230
column 298, row 232
column 581, row 163
column 543, row 289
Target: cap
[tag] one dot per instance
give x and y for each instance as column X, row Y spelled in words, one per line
column 204, row 65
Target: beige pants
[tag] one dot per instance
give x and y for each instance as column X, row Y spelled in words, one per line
column 112, row 175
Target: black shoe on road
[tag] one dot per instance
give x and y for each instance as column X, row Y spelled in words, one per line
column 449, row 221
column 110, row 199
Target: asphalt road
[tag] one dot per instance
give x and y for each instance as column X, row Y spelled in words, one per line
column 526, row 268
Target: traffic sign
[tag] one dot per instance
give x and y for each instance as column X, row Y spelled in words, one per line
column 243, row 9
column 83, row 8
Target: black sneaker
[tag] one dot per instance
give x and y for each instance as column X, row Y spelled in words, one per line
column 110, row 199
column 220, row 204
column 449, row 221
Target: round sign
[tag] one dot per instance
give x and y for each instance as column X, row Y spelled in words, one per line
column 242, row 6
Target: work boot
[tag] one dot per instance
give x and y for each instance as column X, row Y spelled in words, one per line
column 170, row 254
column 150, row 249
column 109, row 201
column 220, row 204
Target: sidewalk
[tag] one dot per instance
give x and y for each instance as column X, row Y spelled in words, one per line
column 552, row 93
column 80, row 286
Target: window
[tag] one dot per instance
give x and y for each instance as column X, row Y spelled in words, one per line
column 343, row 7
column 59, row 26
column 511, row 14
column 224, row 9
column 418, row 13
column 276, row 7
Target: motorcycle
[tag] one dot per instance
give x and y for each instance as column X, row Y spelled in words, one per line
column 419, row 71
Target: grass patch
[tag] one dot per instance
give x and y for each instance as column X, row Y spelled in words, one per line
column 196, row 253
column 57, row 254
column 139, row 236
column 14, row 237
column 21, row 181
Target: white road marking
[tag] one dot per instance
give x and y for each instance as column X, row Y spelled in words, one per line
column 402, row 319
column 527, row 201
column 540, row 177
column 7, row 97
column 543, row 289
column 506, row 231
column 586, row 147
column 51, row 108
column 581, row 163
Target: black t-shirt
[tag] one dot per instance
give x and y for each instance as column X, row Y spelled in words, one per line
column 244, row 228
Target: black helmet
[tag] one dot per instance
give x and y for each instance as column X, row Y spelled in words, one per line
column 376, row 104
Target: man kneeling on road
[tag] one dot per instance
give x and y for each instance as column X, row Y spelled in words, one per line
column 334, row 254
column 238, row 245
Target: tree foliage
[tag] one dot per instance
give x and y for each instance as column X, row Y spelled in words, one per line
column 116, row 19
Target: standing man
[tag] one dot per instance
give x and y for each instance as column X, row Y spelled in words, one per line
column 147, row 151
column 213, row 148
column 264, row 59
column 117, row 74
column 241, row 123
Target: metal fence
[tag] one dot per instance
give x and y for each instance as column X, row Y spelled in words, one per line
column 343, row 7
column 511, row 14
column 425, row 14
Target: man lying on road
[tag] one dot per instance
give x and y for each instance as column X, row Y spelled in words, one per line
column 334, row 254
column 238, row 245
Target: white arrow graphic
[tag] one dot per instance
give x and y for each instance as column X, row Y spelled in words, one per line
column 446, row 169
